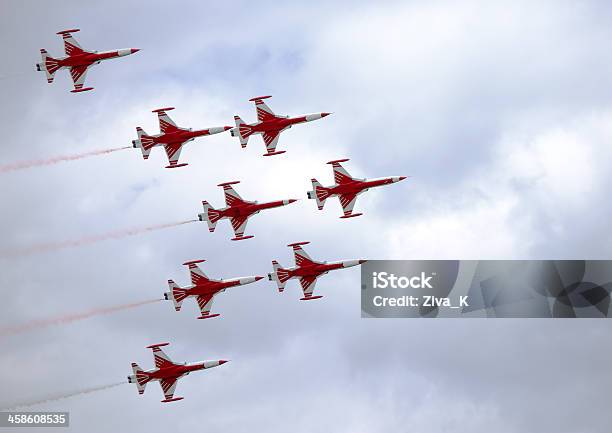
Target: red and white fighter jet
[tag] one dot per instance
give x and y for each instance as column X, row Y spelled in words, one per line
column 347, row 188
column 77, row 60
column 307, row 270
column 166, row 372
column 203, row 288
column 269, row 125
column 171, row 137
column 237, row 210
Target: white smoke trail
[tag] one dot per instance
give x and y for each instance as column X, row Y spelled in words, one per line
column 69, row 318
column 55, row 246
column 54, row 160
column 56, row 397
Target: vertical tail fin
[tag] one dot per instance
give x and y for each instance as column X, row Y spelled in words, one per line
column 210, row 215
column 49, row 64
column 144, row 142
column 319, row 193
column 140, row 378
column 176, row 294
column 280, row 275
column 242, row 131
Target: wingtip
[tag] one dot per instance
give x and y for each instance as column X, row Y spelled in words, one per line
column 63, row 32
column 259, row 98
column 153, row 346
column 194, row 262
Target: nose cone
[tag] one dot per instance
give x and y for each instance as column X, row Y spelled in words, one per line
column 134, row 50
column 292, row 200
column 222, row 361
column 325, row 114
column 361, row 262
column 402, row 177
column 227, row 128
column 257, row 278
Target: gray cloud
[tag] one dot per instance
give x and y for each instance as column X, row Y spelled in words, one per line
column 500, row 113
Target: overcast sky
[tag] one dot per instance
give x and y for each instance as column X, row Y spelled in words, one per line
column 500, row 112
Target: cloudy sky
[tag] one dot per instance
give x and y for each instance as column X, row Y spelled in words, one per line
column 500, row 112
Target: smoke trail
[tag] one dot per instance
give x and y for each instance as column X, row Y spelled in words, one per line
column 55, row 246
column 61, row 396
column 49, row 161
column 68, row 318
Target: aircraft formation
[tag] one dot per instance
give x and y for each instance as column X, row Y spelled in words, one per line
column 237, row 210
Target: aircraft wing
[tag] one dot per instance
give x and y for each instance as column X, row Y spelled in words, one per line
column 301, row 257
column 340, row 174
column 197, row 275
column 205, row 304
column 160, row 357
column 173, row 151
column 239, row 225
column 71, row 46
column 308, row 285
column 231, row 196
column 78, row 74
column 270, row 139
column 263, row 111
column 166, row 124
column 168, row 386
column 347, row 201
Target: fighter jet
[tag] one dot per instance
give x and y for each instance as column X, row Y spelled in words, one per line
column 203, row 288
column 307, row 270
column 237, row 210
column 171, row 137
column 347, row 188
column 166, row 372
column 269, row 125
column 77, row 59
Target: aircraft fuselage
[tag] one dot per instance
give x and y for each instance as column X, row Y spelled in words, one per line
column 247, row 209
column 88, row 59
column 357, row 186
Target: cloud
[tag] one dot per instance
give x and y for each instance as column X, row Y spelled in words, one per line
column 499, row 113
